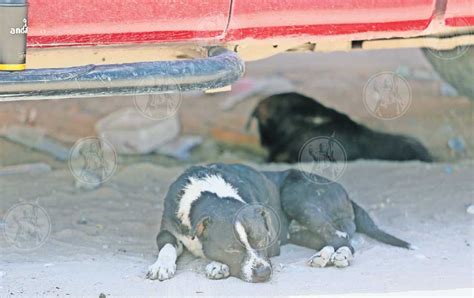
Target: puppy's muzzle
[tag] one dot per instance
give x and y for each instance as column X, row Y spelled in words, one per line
column 261, row 273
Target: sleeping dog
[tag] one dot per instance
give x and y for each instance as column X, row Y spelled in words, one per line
column 237, row 218
column 287, row 121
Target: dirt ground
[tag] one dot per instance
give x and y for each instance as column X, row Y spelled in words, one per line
column 102, row 240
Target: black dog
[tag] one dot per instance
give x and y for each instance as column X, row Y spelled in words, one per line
column 237, row 218
column 287, row 121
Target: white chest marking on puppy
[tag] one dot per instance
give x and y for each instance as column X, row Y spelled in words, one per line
column 253, row 259
column 196, row 186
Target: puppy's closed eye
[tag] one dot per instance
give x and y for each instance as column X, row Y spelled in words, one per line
column 267, row 220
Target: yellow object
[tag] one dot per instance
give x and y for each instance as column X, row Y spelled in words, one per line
column 12, row 67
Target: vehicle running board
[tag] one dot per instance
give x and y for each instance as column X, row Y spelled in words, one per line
column 221, row 68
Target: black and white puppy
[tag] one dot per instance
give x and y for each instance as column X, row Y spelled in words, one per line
column 238, row 217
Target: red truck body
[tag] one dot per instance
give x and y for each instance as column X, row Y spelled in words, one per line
column 85, row 48
column 101, row 22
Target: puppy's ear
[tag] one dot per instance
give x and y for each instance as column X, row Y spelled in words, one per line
column 201, row 227
column 267, row 217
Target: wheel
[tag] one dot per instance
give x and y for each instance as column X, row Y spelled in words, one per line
column 455, row 66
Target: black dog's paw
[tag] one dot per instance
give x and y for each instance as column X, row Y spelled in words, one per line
column 327, row 256
column 342, row 257
column 322, row 257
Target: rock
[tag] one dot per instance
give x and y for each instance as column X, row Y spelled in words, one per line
column 420, row 74
column 36, row 138
column 421, row 256
column 31, row 169
column 448, row 169
column 82, row 221
column 89, row 181
column 448, row 90
column 181, row 147
column 470, row 209
column 457, row 145
column 131, row 133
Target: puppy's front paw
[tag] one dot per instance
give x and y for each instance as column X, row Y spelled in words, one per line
column 216, row 270
column 321, row 258
column 342, row 257
column 162, row 269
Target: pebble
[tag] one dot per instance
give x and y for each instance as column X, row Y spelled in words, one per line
column 470, row 209
column 448, row 169
column 94, row 182
column 457, row 144
column 448, row 90
column 82, row 221
column 421, row 257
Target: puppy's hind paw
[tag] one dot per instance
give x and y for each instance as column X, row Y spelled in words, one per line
column 342, row 257
column 321, row 258
column 216, row 270
column 161, row 270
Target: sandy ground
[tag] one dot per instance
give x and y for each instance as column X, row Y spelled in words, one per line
column 102, row 241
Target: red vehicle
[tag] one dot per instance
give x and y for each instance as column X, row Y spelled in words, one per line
column 84, row 47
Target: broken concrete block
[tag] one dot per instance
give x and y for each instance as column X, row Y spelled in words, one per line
column 36, row 138
column 32, row 168
column 131, row 133
column 181, row 147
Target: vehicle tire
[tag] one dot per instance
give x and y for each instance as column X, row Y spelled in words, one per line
column 456, row 67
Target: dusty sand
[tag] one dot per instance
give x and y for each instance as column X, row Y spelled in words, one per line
column 102, row 241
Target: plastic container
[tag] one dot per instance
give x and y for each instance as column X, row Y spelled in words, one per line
column 13, row 31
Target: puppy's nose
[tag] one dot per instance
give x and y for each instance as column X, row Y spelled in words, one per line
column 262, row 273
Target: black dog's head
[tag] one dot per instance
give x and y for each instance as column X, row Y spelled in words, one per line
column 286, row 121
column 240, row 236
